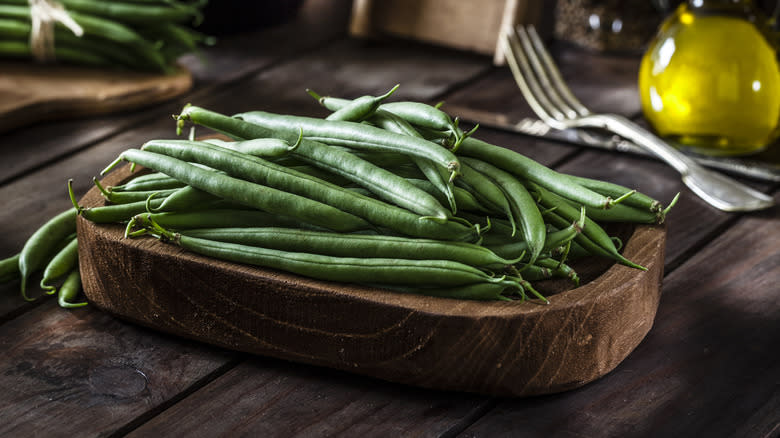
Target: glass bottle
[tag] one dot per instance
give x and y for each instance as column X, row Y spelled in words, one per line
column 710, row 79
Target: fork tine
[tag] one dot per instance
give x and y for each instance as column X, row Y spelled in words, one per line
column 554, row 75
column 526, row 80
column 540, row 70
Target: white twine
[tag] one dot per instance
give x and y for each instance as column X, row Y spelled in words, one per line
column 45, row 14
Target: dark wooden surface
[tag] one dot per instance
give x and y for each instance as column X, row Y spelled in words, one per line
column 709, row 367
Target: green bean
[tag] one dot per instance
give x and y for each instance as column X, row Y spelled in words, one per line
column 216, row 218
column 111, row 213
column 639, row 200
column 258, row 124
column 553, row 239
column 428, row 117
column 521, row 204
column 109, row 30
column 125, row 197
column 61, row 264
column 559, row 269
column 486, row 192
column 21, row 49
column 527, row 169
column 435, row 174
column 264, row 172
column 247, row 193
column 460, row 196
column 354, row 245
column 625, row 213
column 593, row 238
column 358, row 109
column 186, row 198
column 9, row 269
column 69, row 291
column 43, row 244
column 131, row 13
column 258, row 147
column 393, row 123
column 387, row 186
column 149, row 182
column 476, row 291
column 375, row 211
column 340, row 269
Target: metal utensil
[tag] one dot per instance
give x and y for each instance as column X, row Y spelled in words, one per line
column 551, row 99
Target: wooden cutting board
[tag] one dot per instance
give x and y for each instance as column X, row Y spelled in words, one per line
column 494, row 348
column 30, row 92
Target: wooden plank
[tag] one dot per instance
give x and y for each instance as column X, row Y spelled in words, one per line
column 271, row 398
column 83, row 373
column 603, row 83
column 232, row 58
column 709, row 367
column 350, row 68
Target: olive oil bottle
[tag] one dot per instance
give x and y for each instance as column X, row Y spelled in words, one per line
column 710, row 79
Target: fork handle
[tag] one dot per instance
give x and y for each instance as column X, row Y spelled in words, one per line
column 642, row 137
column 718, row 190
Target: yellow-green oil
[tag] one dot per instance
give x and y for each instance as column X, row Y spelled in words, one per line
column 711, row 82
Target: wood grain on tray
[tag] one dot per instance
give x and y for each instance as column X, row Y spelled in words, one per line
column 497, row 348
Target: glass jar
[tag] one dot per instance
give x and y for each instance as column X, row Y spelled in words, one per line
column 710, row 79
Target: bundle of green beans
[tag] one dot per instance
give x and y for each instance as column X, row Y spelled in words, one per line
column 138, row 35
column 392, row 195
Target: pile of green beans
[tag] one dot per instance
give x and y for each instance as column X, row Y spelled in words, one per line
column 389, row 195
column 125, row 34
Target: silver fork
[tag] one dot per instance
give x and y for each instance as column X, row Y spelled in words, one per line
column 551, row 99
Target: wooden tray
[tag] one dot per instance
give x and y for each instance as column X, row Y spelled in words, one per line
column 494, row 348
column 31, row 92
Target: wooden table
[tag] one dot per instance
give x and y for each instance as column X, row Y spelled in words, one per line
column 710, row 366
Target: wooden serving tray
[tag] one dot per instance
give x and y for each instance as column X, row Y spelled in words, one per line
column 494, row 348
column 32, row 92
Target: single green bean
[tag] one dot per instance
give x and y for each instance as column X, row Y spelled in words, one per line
column 639, row 200
column 259, row 147
column 126, row 197
column 354, row 245
column 70, row 290
column 341, row 269
column 559, row 269
column 216, row 218
column 61, row 264
column 43, row 244
column 111, row 213
column 155, row 181
column 360, row 108
column 476, row 291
